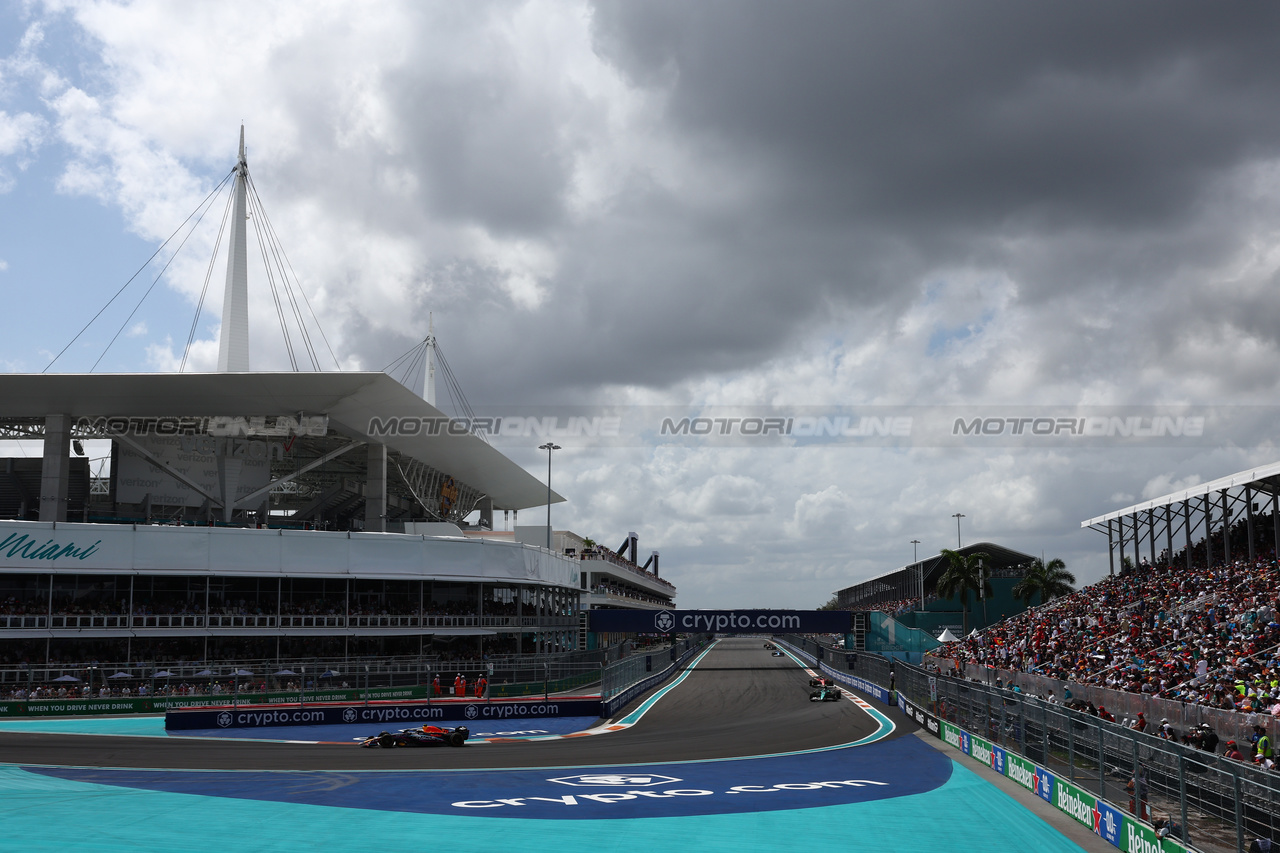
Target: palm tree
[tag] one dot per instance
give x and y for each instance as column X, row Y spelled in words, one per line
column 963, row 575
column 1045, row 580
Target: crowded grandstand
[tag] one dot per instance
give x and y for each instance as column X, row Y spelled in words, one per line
column 1194, row 628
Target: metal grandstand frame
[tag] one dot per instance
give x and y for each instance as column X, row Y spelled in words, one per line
column 1184, row 512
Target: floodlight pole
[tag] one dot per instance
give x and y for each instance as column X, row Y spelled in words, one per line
column 549, row 447
column 915, row 558
column 957, row 517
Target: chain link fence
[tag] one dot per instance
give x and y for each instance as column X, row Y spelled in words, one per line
column 624, row 680
column 512, row 675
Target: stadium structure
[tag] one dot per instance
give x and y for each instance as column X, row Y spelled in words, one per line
column 275, row 515
column 910, row 592
column 1210, row 511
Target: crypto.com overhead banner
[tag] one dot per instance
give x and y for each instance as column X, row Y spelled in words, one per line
column 720, row 621
column 851, row 426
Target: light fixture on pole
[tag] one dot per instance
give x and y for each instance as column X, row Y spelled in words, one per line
column 549, row 447
column 957, row 517
column 915, row 558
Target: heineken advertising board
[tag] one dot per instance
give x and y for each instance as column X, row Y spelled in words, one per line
column 720, row 621
column 1099, row 816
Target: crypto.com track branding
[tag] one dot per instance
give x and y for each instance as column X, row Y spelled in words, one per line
column 863, row 426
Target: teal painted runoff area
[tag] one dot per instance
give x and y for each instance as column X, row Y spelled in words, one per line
column 41, row 813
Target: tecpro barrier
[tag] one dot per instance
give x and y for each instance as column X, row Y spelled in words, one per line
column 404, row 714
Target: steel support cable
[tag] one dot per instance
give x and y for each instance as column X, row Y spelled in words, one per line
column 211, row 194
column 456, row 387
column 195, row 321
column 275, row 296
column 282, row 264
column 270, row 247
column 414, row 492
column 410, row 372
column 411, row 351
column 451, row 384
column 252, row 213
column 289, row 264
column 152, row 287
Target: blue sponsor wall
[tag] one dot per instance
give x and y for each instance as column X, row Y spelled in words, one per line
column 720, row 621
column 403, row 714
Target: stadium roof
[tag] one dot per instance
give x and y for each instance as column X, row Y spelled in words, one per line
column 1001, row 557
column 1262, row 478
column 350, row 400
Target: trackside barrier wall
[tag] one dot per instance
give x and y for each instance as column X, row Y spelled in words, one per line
column 1094, row 813
column 625, row 680
column 1087, row 761
column 860, row 684
column 403, row 714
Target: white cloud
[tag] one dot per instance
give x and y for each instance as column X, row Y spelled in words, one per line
column 822, row 514
column 597, row 209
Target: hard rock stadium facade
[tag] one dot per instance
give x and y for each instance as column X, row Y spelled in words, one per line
column 226, row 529
column 265, row 515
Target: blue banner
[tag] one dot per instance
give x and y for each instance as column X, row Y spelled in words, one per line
column 721, row 621
column 384, row 715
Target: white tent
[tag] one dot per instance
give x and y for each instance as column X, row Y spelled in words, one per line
column 946, row 636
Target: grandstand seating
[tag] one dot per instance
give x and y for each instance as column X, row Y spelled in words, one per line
column 1206, row 636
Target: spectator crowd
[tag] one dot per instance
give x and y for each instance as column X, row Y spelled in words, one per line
column 1206, row 636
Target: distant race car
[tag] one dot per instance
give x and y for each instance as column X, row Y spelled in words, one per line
column 424, row 736
column 826, row 694
column 819, row 681
column 775, row 653
column 770, row 646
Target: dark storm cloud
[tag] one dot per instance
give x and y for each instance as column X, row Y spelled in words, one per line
column 968, row 113
column 877, row 142
column 490, row 153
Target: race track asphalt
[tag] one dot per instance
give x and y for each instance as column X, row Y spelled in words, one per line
column 738, row 701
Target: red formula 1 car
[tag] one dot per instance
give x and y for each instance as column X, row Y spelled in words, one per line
column 424, row 736
column 820, row 681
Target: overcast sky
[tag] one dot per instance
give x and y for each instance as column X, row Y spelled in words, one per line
column 862, row 208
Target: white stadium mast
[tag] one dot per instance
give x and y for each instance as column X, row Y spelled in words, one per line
column 233, row 345
column 429, row 377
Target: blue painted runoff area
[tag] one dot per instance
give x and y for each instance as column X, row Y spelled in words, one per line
column 962, row 813
column 890, row 769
